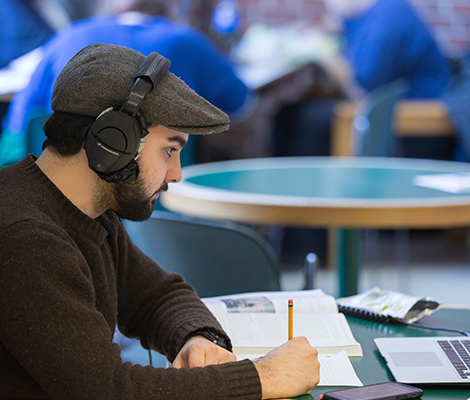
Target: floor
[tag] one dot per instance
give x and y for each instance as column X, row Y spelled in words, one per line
column 438, row 265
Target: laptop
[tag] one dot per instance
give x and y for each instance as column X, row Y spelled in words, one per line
column 427, row 360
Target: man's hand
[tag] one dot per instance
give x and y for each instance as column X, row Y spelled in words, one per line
column 199, row 352
column 290, row 370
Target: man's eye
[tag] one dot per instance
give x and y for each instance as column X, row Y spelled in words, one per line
column 170, row 150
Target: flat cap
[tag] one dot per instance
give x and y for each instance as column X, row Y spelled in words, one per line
column 102, row 75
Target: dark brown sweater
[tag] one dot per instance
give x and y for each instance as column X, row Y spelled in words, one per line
column 66, row 280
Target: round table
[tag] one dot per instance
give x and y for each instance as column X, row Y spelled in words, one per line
column 336, row 192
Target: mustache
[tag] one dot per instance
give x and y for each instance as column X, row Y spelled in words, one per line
column 163, row 188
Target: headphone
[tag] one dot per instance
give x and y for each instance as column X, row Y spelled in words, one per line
column 118, row 135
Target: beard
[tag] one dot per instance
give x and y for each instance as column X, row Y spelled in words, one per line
column 131, row 201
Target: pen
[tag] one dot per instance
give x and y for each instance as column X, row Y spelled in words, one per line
column 290, row 326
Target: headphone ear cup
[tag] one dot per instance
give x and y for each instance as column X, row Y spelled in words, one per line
column 113, row 142
column 118, row 136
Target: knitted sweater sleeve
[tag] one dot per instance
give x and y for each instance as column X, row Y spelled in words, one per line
column 155, row 306
column 55, row 340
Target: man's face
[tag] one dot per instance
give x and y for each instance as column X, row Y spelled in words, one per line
column 159, row 165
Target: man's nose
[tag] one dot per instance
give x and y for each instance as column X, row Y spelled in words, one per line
column 174, row 173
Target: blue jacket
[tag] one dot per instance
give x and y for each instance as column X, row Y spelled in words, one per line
column 21, row 30
column 390, row 41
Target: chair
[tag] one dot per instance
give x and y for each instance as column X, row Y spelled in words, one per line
column 372, row 129
column 35, row 136
column 372, row 135
column 215, row 257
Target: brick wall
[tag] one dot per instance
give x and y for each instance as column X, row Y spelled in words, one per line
column 450, row 22
column 449, row 19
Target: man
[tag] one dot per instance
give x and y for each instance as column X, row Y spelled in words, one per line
column 69, row 272
column 142, row 25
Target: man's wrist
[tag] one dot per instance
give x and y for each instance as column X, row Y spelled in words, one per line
column 211, row 336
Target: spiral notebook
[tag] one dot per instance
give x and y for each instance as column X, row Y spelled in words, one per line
column 387, row 306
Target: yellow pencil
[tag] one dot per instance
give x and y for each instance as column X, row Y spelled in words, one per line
column 291, row 319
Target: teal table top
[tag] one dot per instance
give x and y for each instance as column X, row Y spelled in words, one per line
column 325, row 178
column 346, row 192
column 371, row 367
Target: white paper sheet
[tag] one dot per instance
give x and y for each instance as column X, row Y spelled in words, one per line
column 335, row 369
column 451, row 183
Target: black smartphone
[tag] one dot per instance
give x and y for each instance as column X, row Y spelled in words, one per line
column 379, row 391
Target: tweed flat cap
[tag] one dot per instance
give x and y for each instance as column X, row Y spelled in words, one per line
column 102, row 75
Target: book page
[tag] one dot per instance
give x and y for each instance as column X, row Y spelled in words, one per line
column 305, row 301
column 265, row 330
column 335, row 369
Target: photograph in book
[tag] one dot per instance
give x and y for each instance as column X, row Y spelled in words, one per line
column 305, row 301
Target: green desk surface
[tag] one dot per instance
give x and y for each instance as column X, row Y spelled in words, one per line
column 372, row 369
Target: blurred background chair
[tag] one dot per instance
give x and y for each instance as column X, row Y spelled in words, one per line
column 215, row 257
column 372, row 135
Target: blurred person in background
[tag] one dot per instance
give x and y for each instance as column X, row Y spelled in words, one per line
column 24, row 26
column 383, row 40
column 27, row 24
column 386, row 40
column 145, row 26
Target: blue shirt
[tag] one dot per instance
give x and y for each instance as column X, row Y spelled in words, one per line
column 194, row 58
column 390, row 41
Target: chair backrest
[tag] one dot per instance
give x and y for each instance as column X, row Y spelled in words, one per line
column 372, row 128
column 35, row 136
column 215, row 257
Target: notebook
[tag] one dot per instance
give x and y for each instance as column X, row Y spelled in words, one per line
column 427, row 360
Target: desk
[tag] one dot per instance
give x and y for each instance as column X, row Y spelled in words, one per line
column 371, row 367
column 412, row 118
column 322, row 192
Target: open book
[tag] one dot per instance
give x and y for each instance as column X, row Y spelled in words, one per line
column 258, row 322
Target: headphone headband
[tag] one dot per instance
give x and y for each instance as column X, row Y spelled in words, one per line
column 150, row 72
